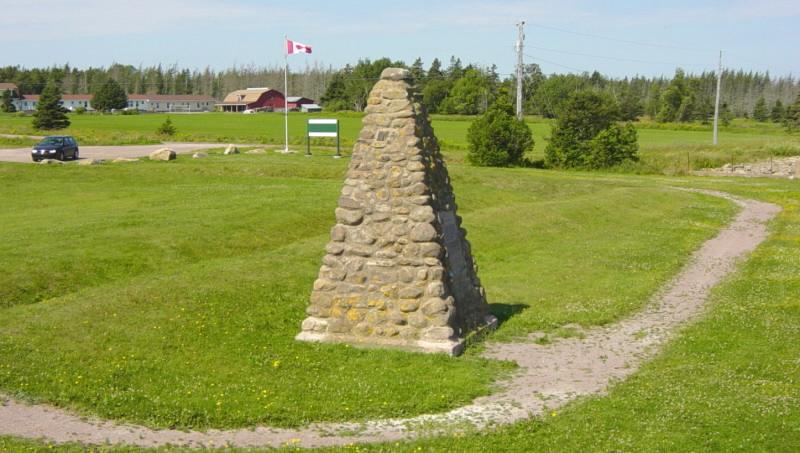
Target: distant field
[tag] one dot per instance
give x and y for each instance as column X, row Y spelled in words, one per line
column 670, row 148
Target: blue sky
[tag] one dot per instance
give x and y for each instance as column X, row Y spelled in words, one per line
column 562, row 36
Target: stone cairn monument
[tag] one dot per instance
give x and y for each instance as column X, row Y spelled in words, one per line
column 398, row 270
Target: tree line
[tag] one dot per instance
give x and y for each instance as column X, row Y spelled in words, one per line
column 470, row 89
column 310, row 81
column 455, row 88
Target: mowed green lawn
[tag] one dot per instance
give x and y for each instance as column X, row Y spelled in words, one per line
column 670, row 149
column 168, row 294
column 728, row 382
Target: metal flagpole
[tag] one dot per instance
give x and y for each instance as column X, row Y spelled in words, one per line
column 286, row 94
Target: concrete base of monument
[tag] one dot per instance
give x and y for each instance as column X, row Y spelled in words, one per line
column 453, row 347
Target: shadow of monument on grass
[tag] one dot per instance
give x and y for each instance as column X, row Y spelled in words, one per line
column 504, row 312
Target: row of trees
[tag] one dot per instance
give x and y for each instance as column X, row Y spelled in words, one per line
column 470, row 89
column 311, row 81
column 454, row 89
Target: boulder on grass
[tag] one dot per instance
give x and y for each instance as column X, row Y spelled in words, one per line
column 90, row 161
column 199, row 155
column 120, row 160
column 231, row 149
column 163, row 154
column 50, row 162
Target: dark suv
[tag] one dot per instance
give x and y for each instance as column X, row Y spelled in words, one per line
column 61, row 147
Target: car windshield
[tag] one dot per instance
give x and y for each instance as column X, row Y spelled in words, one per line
column 52, row 141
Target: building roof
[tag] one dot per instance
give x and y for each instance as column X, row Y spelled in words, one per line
column 247, row 96
column 8, row 86
column 170, row 97
column 298, row 99
column 133, row 97
column 64, row 97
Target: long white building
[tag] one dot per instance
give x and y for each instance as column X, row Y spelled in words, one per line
column 142, row 102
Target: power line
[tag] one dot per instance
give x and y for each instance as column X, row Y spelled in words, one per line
column 571, row 68
column 626, row 41
column 568, row 52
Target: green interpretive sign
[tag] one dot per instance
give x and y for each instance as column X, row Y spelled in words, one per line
column 322, row 128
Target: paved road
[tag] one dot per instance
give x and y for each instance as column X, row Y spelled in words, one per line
column 112, row 152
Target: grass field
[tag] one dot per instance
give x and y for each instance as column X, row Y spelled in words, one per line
column 173, row 291
column 670, row 149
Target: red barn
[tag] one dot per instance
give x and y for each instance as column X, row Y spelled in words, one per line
column 252, row 99
column 296, row 101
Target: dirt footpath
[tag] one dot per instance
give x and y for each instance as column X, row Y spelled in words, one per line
column 549, row 376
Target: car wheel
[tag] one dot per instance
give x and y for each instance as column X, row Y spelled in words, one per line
column 77, row 155
column 63, row 156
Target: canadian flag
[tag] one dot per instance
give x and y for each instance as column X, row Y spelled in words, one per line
column 293, row 47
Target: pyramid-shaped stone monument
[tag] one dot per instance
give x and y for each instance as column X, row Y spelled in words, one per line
column 398, row 271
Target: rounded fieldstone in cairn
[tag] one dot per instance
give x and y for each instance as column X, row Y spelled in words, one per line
column 398, row 271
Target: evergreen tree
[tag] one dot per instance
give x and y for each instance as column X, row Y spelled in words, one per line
column 166, row 128
column 630, row 106
column 49, row 112
column 533, row 79
column 110, row 96
column 725, row 114
column 418, row 73
column 497, row 138
column 455, row 71
column 760, row 112
column 335, row 97
column 704, row 110
column 792, row 118
column 675, row 100
column 778, row 112
column 435, row 71
column 6, row 105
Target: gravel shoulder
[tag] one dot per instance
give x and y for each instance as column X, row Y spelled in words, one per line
column 113, row 152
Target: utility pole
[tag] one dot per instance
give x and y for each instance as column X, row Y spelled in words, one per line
column 520, row 67
column 716, row 103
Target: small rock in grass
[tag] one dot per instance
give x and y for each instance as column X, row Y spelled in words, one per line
column 231, row 149
column 120, row 160
column 90, row 161
column 199, row 155
column 256, row 151
column 163, row 154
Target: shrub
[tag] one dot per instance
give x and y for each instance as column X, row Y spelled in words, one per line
column 130, row 111
column 80, row 110
column 586, row 135
column 166, row 128
column 497, row 138
column 612, row 146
